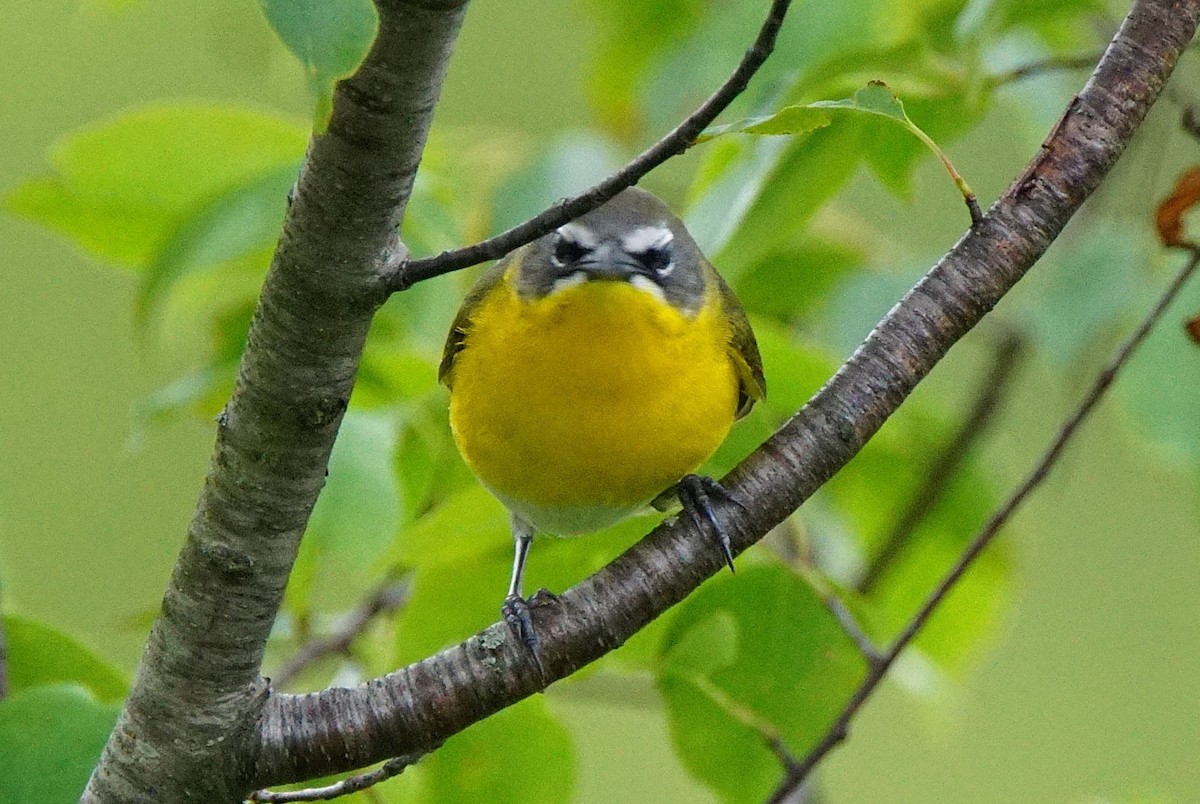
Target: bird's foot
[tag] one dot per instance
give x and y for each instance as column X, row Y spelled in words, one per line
column 696, row 495
column 516, row 614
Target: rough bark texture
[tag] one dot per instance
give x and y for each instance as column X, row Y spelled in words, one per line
column 188, row 731
column 419, row 706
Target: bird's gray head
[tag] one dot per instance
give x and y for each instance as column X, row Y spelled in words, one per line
column 633, row 238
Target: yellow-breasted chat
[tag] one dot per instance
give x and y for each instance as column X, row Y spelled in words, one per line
column 594, row 369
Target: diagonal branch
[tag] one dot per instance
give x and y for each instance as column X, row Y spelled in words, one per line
column 838, row 732
column 678, row 140
column 938, row 478
column 188, row 729
column 422, row 704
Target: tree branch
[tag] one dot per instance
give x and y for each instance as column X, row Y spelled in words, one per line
column 938, row 478
column 840, row 728
column 422, row 704
column 679, row 139
column 188, row 728
column 353, row 784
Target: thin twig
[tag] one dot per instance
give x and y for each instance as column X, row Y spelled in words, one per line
column 1082, row 61
column 351, row 784
column 840, row 728
column 385, row 598
column 992, row 391
column 851, row 627
column 682, row 137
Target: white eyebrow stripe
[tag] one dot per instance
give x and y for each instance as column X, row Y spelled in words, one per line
column 645, row 238
column 578, row 233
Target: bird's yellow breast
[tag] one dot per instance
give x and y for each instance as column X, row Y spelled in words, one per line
column 580, row 407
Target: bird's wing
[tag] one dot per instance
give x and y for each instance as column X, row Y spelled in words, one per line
column 743, row 351
column 456, row 340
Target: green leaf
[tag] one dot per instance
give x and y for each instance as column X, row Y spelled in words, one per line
column 874, row 490
column 633, row 37
column 777, row 663
column 1159, row 385
column 790, row 120
column 468, row 524
column 329, row 37
column 241, row 221
column 767, row 199
column 122, row 188
column 1069, row 323
column 874, row 98
column 40, row 655
column 355, row 516
column 796, row 283
column 522, row 755
column 50, row 739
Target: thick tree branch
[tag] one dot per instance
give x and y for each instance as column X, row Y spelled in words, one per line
column 838, row 732
column 188, row 729
column 678, row 140
column 422, row 704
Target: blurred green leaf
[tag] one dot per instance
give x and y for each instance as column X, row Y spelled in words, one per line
column 428, row 462
column 50, row 739
column 469, row 523
column 329, row 37
column 796, row 283
column 632, row 37
column 40, row 655
column 776, row 660
column 355, row 516
column 1159, row 385
column 1057, row 21
column 241, row 221
column 870, row 495
column 521, row 755
column 122, row 188
column 1068, row 321
column 767, row 198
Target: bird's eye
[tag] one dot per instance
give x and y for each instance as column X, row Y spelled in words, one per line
column 567, row 251
column 657, row 260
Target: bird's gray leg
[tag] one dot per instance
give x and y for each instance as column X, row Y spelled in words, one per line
column 516, row 609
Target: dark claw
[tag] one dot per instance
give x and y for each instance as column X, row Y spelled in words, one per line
column 696, row 494
column 516, row 613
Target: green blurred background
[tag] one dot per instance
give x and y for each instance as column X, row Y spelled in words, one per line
column 1089, row 689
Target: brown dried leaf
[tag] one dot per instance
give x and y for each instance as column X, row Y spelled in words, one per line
column 1169, row 218
column 1193, row 328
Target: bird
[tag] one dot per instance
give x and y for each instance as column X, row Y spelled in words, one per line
column 592, row 371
